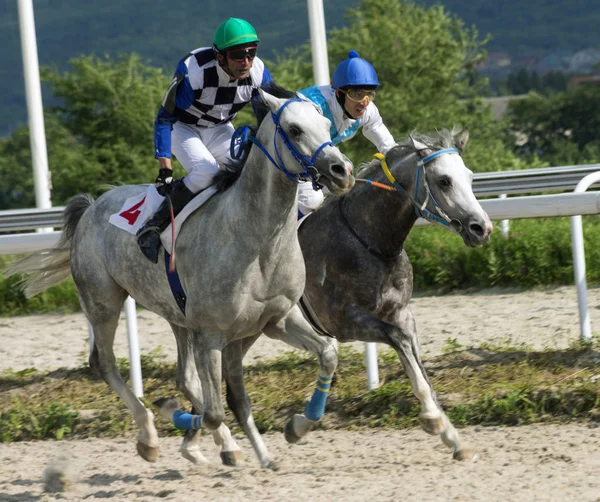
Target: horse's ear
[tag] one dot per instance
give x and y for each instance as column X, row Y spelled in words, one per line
column 422, row 149
column 461, row 139
column 273, row 103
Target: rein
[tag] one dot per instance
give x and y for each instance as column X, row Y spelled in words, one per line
column 242, row 135
column 420, row 209
column 369, row 248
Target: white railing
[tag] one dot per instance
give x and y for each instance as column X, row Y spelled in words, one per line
column 578, row 178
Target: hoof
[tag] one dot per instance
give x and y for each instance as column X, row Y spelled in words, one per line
column 195, row 457
column 290, row 433
column 465, row 454
column 272, row 465
column 232, row 458
column 148, row 453
column 433, row 426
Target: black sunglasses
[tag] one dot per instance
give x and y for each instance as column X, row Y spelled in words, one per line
column 241, row 54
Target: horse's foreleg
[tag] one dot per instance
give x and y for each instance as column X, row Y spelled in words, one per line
column 238, row 399
column 104, row 319
column 297, row 332
column 403, row 339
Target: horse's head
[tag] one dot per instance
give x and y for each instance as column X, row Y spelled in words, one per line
column 302, row 145
column 446, row 188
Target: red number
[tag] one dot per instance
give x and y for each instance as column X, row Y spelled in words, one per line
column 131, row 214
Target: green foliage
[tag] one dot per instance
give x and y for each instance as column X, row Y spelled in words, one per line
column 537, row 28
column 53, row 421
column 522, row 81
column 559, row 128
column 102, row 133
column 536, row 252
column 425, row 86
column 62, row 298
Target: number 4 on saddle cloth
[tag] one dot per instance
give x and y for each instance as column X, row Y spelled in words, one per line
column 138, row 209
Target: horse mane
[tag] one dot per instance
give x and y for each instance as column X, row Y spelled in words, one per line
column 437, row 140
column 229, row 173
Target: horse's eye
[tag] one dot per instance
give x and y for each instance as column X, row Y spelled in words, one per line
column 295, row 131
column 444, row 182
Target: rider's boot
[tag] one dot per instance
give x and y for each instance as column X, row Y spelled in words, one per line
column 148, row 236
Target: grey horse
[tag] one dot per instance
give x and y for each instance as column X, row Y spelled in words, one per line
column 359, row 279
column 239, row 261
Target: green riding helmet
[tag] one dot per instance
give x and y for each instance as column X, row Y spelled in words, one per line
column 233, row 32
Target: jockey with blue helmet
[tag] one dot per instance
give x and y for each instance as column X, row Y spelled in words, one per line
column 348, row 104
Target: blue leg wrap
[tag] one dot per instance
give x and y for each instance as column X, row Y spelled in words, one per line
column 316, row 407
column 187, row 421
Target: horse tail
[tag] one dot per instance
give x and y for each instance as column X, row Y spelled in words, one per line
column 50, row 267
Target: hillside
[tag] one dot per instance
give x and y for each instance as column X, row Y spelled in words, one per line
column 162, row 31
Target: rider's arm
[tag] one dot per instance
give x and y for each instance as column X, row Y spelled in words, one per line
column 376, row 132
column 179, row 95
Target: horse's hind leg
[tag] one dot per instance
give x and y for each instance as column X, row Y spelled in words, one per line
column 188, row 382
column 297, row 332
column 102, row 302
column 237, row 397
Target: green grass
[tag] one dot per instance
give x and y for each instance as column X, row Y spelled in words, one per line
column 503, row 386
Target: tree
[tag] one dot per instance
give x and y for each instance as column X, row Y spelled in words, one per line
column 101, row 133
column 425, row 58
column 560, row 128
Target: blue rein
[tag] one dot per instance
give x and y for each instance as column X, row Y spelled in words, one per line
column 241, row 136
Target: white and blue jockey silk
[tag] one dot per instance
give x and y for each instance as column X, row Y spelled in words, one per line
column 201, row 94
column 344, row 128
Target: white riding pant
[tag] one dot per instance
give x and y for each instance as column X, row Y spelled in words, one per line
column 308, row 198
column 199, row 149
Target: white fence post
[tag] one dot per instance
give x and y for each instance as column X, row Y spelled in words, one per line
column 372, row 367
column 135, row 365
column 318, row 41
column 35, row 110
column 504, row 224
column 579, row 262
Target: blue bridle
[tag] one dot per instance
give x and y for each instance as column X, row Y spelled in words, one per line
column 421, row 209
column 242, row 135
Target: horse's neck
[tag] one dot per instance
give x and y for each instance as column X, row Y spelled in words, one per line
column 263, row 196
column 384, row 219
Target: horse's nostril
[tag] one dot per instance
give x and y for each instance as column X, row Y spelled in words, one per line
column 338, row 169
column 477, row 229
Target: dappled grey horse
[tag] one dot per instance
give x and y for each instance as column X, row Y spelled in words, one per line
column 239, row 261
column 359, row 279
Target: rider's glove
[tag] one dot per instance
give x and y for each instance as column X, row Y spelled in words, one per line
column 163, row 181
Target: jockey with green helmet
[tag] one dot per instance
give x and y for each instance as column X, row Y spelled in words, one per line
column 348, row 104
column 210, row 86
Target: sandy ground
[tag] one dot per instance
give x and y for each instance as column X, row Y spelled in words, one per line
column 542, row 462
column 542, row 318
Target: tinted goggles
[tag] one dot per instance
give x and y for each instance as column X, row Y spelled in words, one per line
column 359, row 95
column 241, row 54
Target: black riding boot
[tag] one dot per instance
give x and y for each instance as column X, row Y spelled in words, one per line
column 149, row 235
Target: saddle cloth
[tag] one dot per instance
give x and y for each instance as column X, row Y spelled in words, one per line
column 140, row 208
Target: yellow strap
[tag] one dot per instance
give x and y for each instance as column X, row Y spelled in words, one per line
column 385, row 167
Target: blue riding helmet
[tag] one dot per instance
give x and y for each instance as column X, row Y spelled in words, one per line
column 355, row 72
